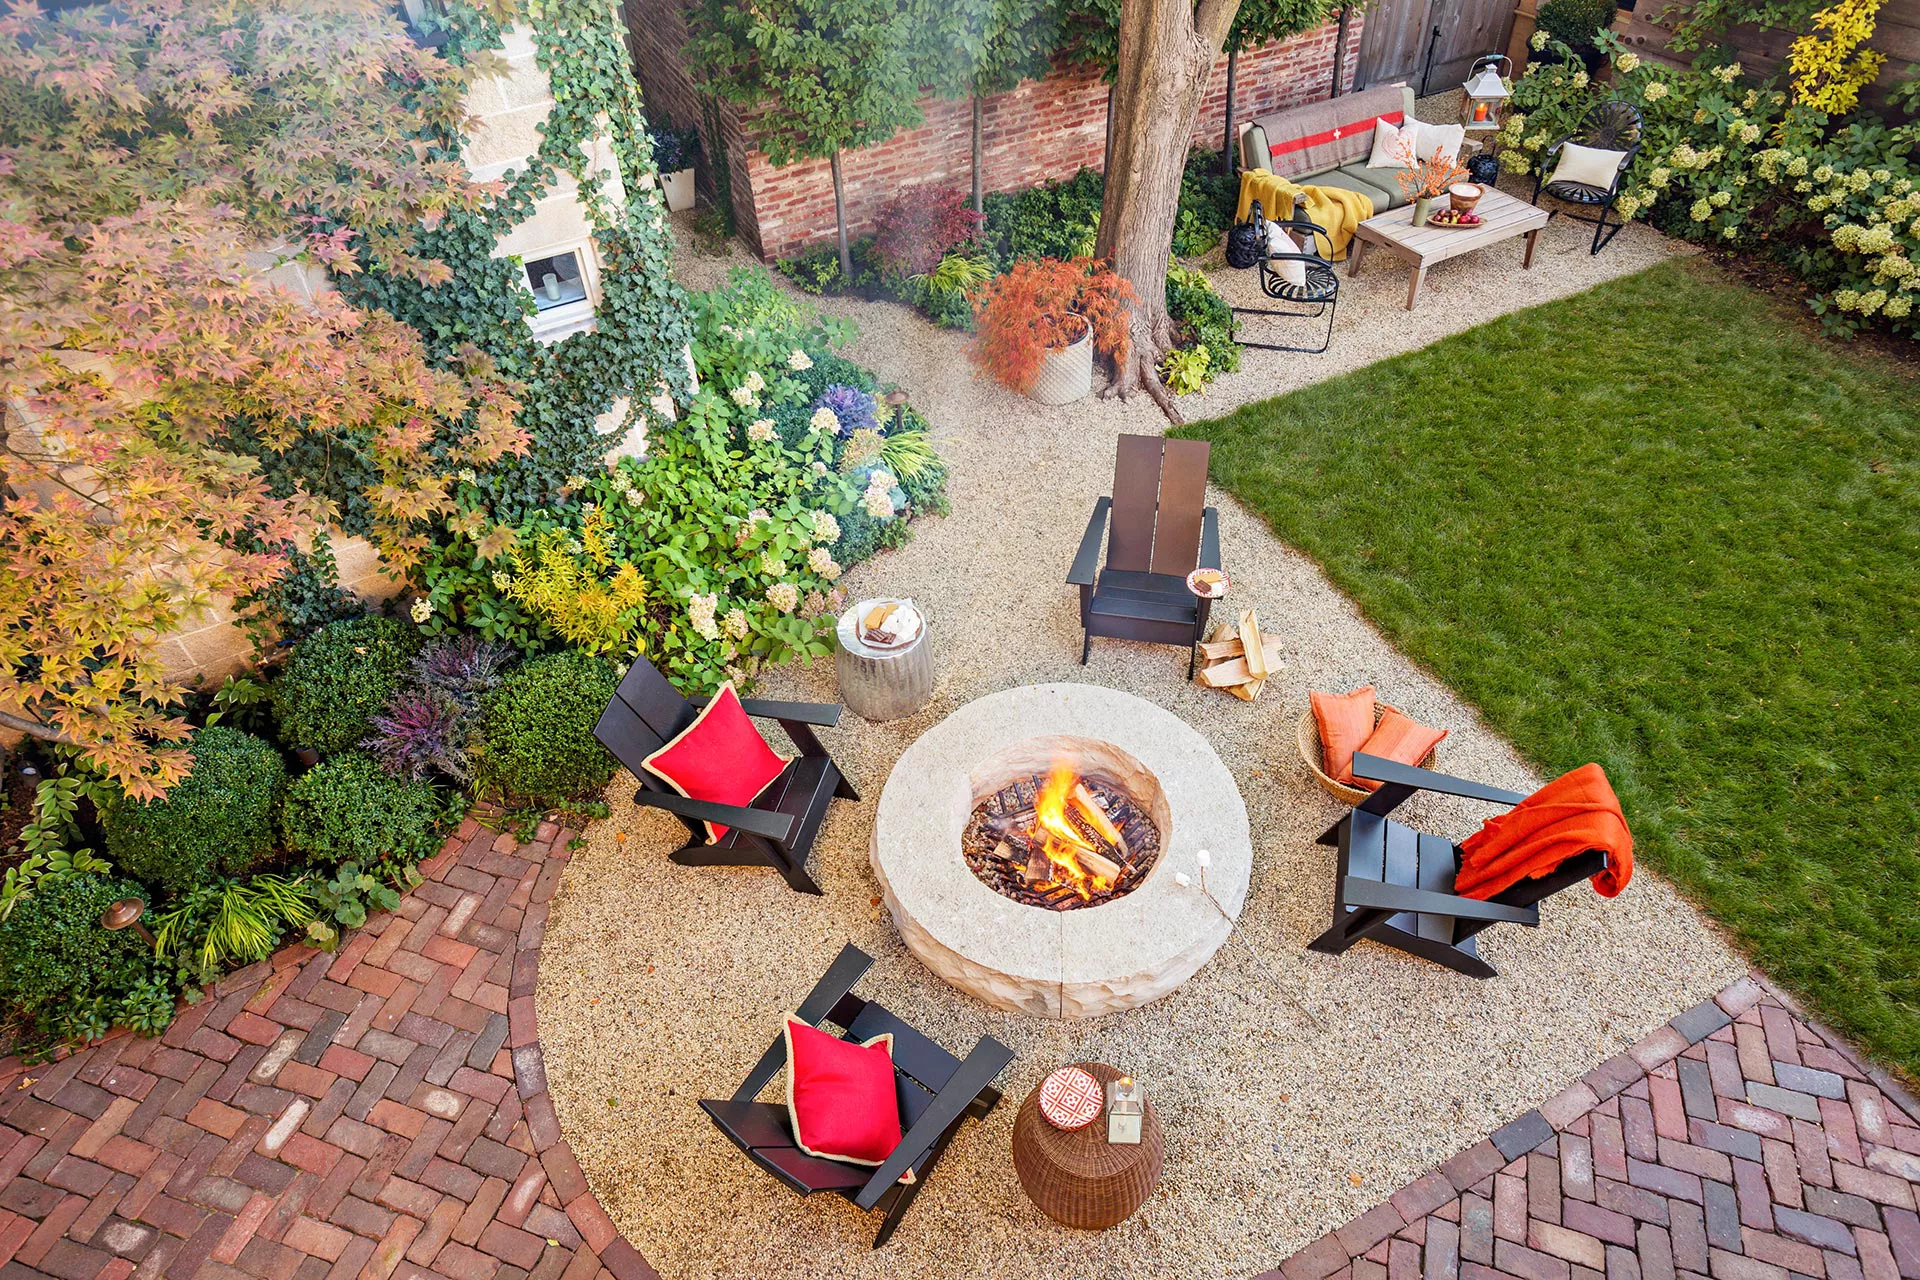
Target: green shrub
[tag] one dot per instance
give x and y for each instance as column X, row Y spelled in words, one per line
column 1576, row 22
column 55, row 956
column 218, row 820
column 539, row 730
column 349, row 809
column 1207, row 203
column 337, row 679
column 1202, row 318
column 1054, row 220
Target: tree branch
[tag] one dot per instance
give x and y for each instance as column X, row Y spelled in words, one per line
column 1213, row 19
column 35, row 729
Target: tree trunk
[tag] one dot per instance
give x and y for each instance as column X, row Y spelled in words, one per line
column 1167, row 51
column 1106, row 153
column 1226, row 143
column 840, row 220
column 979, row 194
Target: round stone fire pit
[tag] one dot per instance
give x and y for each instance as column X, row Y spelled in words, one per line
column 1118, row 954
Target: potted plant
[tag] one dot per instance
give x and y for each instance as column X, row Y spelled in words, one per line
column 1424, row 181
column 1039, row 325
column 674, row 151
column 1577, row 23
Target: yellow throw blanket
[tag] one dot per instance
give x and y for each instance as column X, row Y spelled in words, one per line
column 1336, row 209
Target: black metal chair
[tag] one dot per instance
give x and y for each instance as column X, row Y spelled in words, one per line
column 1161, row 531
column 1612, row 125
column 1318, row 292
column 937, row 1093
column 778, row 829
column 1395, row 885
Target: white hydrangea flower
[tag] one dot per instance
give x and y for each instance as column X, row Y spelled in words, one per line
column 820, row 560
column 1657, row 90
column 877, row 504
column 1749, row 133
column 700, row 611
column 1538, row 40
column 758, row 516
column 771, row 564
column 819, row 469
column 501, row 580
column 783, row 596
column 633, row 496
column 799, row 361
column 1720, row 199
column 880, row 478
column 761, row 431
column 1627, row 63
column 744, row 396
column 1701, row 211
column 825, row 527
column 735, row 623
column 824, row 419
column 754, row 382
column 422, row 609
column 466, row 475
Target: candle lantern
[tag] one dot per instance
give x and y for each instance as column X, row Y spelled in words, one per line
column 1126, row 1111
column 1487, row 94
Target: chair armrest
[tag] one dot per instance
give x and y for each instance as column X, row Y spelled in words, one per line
column 1086, row 561
column 759, row 822
column 988, row 1059
column 1318, row 232
column 837, row 981
column 1209, row 539
column 820, row 713
column 1357, row 891
column 1377, row 769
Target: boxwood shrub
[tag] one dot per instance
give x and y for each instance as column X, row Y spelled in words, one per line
column 337, row 679
column 348, row 809
column 54, row 953
column 539, row 730
column 218, row 820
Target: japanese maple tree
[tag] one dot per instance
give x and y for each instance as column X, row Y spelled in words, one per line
column 155, row 158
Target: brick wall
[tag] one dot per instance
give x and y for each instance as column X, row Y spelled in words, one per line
column 1040, row 130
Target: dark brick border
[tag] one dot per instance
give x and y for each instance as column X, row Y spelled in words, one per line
column 381, row 1111
column 1741, row 1140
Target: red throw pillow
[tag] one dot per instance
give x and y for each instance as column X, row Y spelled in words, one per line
column 1400, row 738
column 719, row 757
column 1345, row 720
column 841, row 1097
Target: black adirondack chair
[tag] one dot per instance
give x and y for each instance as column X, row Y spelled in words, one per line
column 1395, row 884
column 937, row 1093
column 778, row 829
column 1612, row 125
column 1160, row 532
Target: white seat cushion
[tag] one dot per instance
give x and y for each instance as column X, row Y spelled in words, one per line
column 1590, row 166
column 1441, row 139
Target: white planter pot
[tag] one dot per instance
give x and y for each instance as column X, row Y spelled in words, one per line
column 679, row 188
column 1066, row 375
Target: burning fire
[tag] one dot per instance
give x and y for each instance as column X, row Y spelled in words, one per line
column 1070, row 853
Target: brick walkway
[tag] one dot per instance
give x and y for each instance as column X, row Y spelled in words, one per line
column 1739, row 1141
column 383, row 1112
column 378, row 1112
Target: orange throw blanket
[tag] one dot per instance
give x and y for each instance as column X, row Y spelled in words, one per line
column 1570, row 815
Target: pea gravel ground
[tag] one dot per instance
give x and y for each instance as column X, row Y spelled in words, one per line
column 1295, row 1089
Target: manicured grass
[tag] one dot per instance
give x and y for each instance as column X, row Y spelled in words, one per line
column 1657, row 526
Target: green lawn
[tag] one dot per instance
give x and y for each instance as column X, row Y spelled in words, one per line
column 1658, row 526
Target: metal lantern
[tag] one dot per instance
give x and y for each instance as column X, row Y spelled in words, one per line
column 1126, row 1111
column 1487, row 93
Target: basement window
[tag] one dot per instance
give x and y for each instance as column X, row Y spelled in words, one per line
column 556, row 281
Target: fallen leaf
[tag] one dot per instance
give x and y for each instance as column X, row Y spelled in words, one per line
column 1354, row 1178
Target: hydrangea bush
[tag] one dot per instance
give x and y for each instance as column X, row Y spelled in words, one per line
column 1729, row 163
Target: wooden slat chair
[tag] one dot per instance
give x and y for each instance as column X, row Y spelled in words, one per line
column 1395, row 885
column 1161, row 530
column 937, row 1093
column 777, row 830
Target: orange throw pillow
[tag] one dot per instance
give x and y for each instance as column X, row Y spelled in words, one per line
column 1399, row 738
column 1345, row 721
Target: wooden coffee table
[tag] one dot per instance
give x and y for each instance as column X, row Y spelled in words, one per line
column 1501, row 218
column 1078, row 1177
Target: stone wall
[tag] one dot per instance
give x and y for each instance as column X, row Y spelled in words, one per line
column 1042, row 129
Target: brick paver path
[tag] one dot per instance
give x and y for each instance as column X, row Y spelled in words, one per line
column 378, row 1112
column 1740, row 1141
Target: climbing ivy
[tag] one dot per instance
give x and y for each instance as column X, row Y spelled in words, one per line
column 638, row 346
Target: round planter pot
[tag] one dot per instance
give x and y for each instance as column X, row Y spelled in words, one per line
column 1066, row 375
column 305, row 757
column 679, row 188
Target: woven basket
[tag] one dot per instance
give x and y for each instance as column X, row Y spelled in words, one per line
column 1311, row 752
column 1066, row 375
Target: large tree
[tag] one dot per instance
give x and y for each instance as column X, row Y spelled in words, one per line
column 151, row 152
column 827, row 75
column 1166, row 52
column 983, row 47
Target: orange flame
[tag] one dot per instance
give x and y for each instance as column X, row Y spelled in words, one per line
column 1059, row 837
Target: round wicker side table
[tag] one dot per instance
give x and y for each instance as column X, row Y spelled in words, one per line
column 1079, row 1178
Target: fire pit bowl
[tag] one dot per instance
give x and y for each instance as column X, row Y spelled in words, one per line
column 1117, row 952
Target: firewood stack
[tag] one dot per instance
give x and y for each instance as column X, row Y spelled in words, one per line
column 1239, row 658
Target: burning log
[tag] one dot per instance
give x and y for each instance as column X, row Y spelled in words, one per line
column 1090, row 809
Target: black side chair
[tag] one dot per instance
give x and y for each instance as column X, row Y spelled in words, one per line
column 937, row 1093
column 778, row 829
column 1161, row 531
column 1315, row 296
column 1395, row 884
column 1612, row 125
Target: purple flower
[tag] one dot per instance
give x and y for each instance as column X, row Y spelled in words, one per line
column 856, row 409
column 463, row 668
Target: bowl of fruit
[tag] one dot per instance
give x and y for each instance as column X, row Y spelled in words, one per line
column 1454, row 219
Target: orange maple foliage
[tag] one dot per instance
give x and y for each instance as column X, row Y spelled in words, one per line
column 1045, row 305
